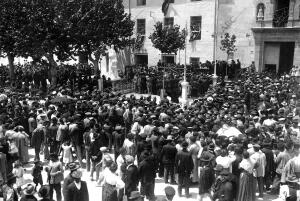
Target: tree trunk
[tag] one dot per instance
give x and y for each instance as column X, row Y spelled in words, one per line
column 95, row 62
column 11, row 59
column 53, row 69
column 83, row 58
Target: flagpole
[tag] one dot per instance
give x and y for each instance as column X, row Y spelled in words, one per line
column 215, row 77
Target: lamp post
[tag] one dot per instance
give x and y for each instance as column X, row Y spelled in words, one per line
column 215, row 77
column 184, row 84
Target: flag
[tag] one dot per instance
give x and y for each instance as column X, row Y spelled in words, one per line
column 165, row 6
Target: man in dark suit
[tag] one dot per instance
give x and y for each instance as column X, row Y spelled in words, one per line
column 119, row 138
column 147, row 174
column 184, row 165
column 131, row 176
column 69, row 179
column 77, row 190
column 168, row 155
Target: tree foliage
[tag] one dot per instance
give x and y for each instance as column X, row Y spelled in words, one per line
column 63, row 28
column 168, row 39
column 228, row 43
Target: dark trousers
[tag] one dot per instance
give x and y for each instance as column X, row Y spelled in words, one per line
column 169, row 171
column 57, row 188
column 96, row 169
column 37, row 150
column 88, row 159
column 184, row 181
column 293, row 194
column 260, row 183
column 147, row 189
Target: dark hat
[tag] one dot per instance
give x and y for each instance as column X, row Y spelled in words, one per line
column 135, row 195
column 185, row 144
column 206, row 156
column 53, row 155
column 44, row 191
column 29, row 190
column 218, row 168
column 10, row 177
column 225, row 171
column 170, row 191
column 36, row 161
column 73, row 166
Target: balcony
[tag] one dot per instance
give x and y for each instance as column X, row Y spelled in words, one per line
column 281, row 17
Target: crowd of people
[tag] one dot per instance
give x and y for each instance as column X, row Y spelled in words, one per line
column 239, row 138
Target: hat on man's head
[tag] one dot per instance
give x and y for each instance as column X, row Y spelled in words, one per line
column 103, row 149
column 29, row 190
column 218, row 168
column 170, row 138
column 129, row 159
column 44, row 191
column 170, row 191
column 73, row 166
column 10, row 177
column 77, row 174
column 206, row 156
column 135, row 195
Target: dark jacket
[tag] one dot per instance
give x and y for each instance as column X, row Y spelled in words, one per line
column 95, row 153
column 67, row 181
column 78, row 195
column 131, row 179
column 226, row 189
column 37, row 137
column 147, row 170
column 168, row 154
column 28, row 198
column 184, row 162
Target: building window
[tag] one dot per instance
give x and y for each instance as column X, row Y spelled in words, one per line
column 171, row 1
column 196, row 28
column 196, row 0
column 141, row 26
column 169, row 21
column 141, row 2
column 260, row 12
column 194, row 60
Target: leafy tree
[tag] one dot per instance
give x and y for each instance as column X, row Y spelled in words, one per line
column 96, row 26
column 12, row 20
column 228, row 44
column 168, row 39
column 63, row 28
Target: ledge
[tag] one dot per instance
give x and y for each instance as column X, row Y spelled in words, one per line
column 275, row 29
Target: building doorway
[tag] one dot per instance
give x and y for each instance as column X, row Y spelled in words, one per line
column 278, row 56
column 141, row 59
column 286, row 57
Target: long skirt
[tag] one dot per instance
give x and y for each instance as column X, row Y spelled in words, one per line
column 247, row 187
column 109, row 193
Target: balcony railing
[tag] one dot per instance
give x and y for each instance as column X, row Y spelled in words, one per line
column 281, row 17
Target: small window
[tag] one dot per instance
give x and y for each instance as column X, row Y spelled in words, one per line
column 196, row 28
column 141, row 2
column 171, row 1
column 141, row 26
column 196, row 0
column 194, row 60
column 169, row 21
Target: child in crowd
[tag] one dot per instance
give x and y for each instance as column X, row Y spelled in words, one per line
column 18, row 171
column 67, row 153
column 37, row 173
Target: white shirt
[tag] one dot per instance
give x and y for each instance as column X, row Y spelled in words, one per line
column 78, row 185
